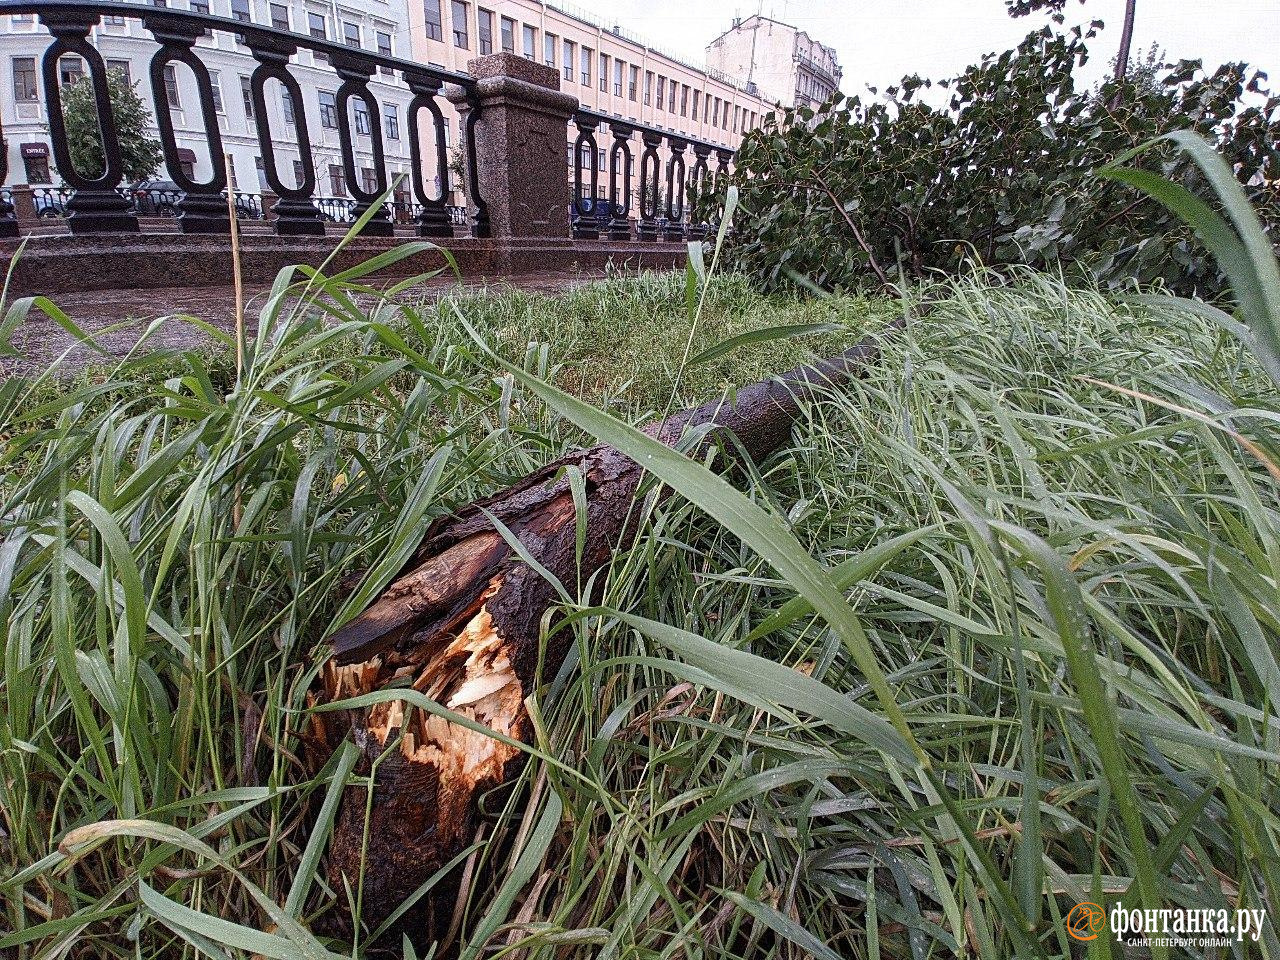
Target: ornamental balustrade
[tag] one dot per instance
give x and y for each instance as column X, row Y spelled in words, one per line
column 660, row 199
column 96, row 201
column 646, row 188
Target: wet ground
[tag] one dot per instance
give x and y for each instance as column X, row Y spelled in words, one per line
column 41, row 340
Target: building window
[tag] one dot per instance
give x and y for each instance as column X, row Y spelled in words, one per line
column 633, row 82
column 508, row 35
column 71, row 70
column 568, row 60
column 604, row 73
column 530, row 38
column 585, row 64
column 240, row 11
column 113, row 21
column 684, row 100
column 286, row 108
column 246, row 94
column 435, row 24
column 671, row 95
column 648, row 87
column 696, row 95
column 484, row 29
column 617, row 78
column 549, row 49
column 328, row 110
column 391, row 120
column 24, row 79
column 736, row 116
column 351, row 34
column 299, row 173
column 318, row 29
column 200, row 6
column 171, row 87
column 261, row 169
column 715, row 112
column 279, row 16
column 369, row 180
column 724, row 116
column 215, row 90
column 121, row 67
column 362, row 116
column 337, row 180
column 458, row 12
column 384, row 50
column 37, row 168
column 662, row 89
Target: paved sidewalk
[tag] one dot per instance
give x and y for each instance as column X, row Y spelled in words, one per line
column 40, row 340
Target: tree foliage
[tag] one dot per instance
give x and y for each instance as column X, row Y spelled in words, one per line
column 139, row 151
column 1024, row 8
column 1004, row 173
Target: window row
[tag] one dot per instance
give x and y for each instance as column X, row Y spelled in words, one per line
column 279, row 17
column 582, row 64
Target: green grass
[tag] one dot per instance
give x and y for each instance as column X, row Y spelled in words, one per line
column 1051, row 515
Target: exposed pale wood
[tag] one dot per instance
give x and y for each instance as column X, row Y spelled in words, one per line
column 462, row 623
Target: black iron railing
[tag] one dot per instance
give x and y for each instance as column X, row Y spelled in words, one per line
column 660, row 203
column 94, row 202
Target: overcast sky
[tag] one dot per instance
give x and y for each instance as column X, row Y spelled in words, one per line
column 878, row 41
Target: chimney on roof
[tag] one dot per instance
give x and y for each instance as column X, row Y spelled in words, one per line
column 737, row 22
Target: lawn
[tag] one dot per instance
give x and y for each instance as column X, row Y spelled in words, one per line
column 1059, row 548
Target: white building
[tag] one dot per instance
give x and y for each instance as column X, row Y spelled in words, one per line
column 375, row 25
column 789, row 67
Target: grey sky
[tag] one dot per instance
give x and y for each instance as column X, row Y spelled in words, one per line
column 878, row 41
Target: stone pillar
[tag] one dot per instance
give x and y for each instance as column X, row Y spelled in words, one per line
column 521, row 134
column 268, row 201
column 24, row 208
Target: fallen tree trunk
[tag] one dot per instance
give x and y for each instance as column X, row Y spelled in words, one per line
column 463, row 621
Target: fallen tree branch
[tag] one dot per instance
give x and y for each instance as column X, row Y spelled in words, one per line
column 462, row 625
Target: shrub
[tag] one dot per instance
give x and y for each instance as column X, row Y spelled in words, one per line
column 1003, row 173
column 140, row 153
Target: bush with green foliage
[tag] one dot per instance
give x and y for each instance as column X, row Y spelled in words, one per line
column 1003, row 173
column 139, row 151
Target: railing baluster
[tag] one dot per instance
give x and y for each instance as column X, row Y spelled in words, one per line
column 675, row 188
column 355, row 71
column 295, row 212
column 620, row 194
column 96, row 205
column 586, row 225
column 698, row 180
column 433, row 220
column 650, row 186
column 470, row 161
column 202, row 208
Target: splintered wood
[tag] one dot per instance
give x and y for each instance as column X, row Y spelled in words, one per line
column 464, row 624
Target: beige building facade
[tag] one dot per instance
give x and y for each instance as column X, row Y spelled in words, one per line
column 610, row 70
column 785, row 64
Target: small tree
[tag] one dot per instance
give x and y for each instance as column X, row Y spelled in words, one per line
column 139, row 151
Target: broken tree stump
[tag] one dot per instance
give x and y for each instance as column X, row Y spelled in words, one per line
column 463, row 622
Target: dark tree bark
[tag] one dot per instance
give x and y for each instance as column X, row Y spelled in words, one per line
column 462, row 624
column 1126, row 39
